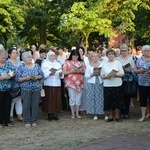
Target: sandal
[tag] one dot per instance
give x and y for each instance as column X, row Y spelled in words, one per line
column 8, row 125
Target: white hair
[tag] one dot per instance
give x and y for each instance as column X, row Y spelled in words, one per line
column 145, row 47
column 2, row 47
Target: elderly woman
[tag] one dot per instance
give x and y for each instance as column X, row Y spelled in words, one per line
column 143, row 70
column 52, row 103
column 5, row 86
column 126, row 60
column 73, row 70
column 16, row 101
column 94, row 93
column 111, row 73
column 29, row 76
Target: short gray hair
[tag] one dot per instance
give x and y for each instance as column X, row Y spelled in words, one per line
column 26, row 54
column 3, row 52
column 145, row 47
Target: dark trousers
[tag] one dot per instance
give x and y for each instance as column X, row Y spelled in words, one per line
column 126, row 109
column 5, row 105
column 65, row 97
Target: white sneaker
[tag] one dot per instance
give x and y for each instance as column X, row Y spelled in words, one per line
column 147, row 116
column 106, row 118
column 95, row 118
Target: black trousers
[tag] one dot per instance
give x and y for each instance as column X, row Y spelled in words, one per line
column 5, row 106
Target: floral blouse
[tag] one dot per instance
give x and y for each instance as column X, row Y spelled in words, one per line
column 31, row 85
column 74, row 80
column 5, row 85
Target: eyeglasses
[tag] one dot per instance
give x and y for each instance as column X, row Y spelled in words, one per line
column 123, row 50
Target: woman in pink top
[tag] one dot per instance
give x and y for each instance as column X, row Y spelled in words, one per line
column 73, row 70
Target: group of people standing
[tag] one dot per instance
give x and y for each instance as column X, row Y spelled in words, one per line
column 93, row 82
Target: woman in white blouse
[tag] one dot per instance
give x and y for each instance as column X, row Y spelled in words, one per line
column 52, row 103
column 94, row 93
column 111, row 73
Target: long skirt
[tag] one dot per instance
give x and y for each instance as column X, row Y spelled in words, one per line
column 113, row 98
column 52, row 102
column 95, row 98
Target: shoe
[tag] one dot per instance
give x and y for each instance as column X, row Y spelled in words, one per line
column 141, row 120
column 72, row 117
column 19, row 117
column 78, row 117
column 123, row 116
column 27, row 125
column 106, row 118
column 118, row 119
column 8, row 125
column 55, row 118
column 147, row 116
column 11, row 119
column 126, row 116
column 50, row 117
column 34, row 124
column 95, row 118
column 109, row 120
column 1, row 126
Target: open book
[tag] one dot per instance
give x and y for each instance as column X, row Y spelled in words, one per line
column 97, row 69
column 127, row 66
column 113, row 72
column 54, row 69
column 10, row 73
column 75, row 67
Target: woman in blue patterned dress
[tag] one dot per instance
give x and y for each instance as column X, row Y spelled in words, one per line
column 29, row 76
column 5, row 86
column 94, row 97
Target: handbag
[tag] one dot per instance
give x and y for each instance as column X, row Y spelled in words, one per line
column 42, row 92
column 129, row 85
column 15, row 92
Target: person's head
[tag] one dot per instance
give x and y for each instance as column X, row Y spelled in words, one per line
column 33, row 48
column 124, row 50
column 138, row 50
column 111, row 54
column 12, row 53
column 99, row 51
column 81, row 51
column 42, row 53
column 51, row 56
column 94, row 57
column 60, row 50
column 27, row 57
column 146, row 50
column 2, row 47
column 74, row 55
column 42, row 46
column 3, row 56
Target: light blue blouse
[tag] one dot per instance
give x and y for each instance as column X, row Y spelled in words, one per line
column 31, row 85
column 5, row 85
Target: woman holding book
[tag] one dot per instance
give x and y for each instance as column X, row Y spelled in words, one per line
column 52, row 103
column 127, row 63
column 29, row 76
column 111, row 73
column 143, row 70
column 5, row 86
column 73, row 70
column 94, row 93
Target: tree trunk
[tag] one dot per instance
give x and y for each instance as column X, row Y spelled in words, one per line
column 42, row 30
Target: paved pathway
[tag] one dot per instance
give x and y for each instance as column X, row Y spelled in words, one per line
column 121, row 142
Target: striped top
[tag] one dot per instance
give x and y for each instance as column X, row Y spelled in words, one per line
column 143, row 78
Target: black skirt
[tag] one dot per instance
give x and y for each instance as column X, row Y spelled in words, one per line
column 113, row 98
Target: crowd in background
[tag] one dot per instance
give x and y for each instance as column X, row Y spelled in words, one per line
column 84, row 81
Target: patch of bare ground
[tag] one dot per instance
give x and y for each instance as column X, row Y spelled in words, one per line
column 67, row 133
